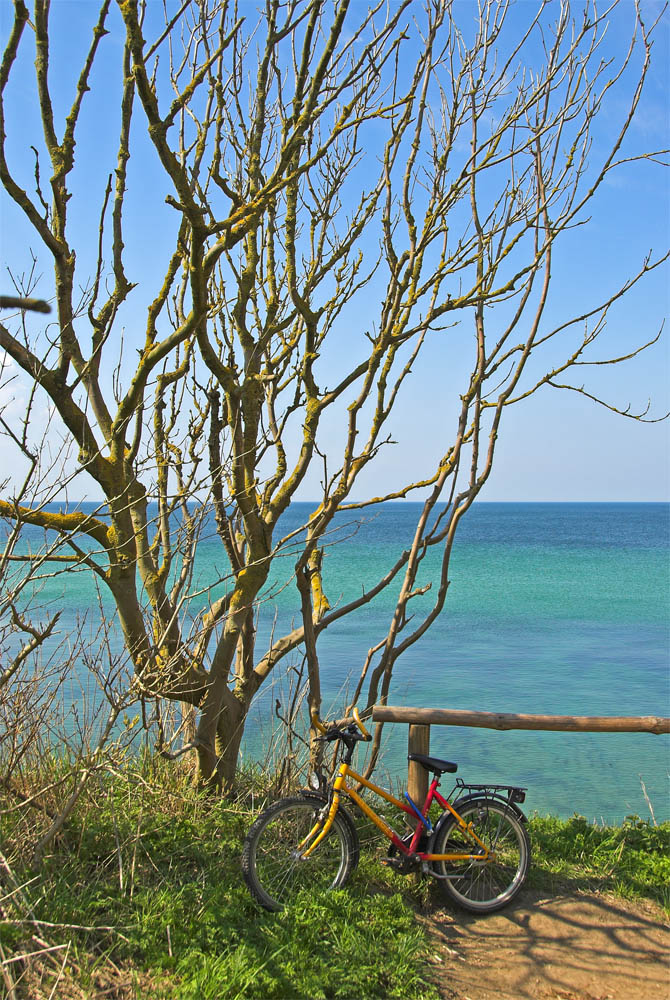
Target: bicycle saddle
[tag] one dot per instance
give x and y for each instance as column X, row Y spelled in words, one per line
column 433, row 763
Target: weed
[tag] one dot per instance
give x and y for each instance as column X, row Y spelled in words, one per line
column 145, row 893
column 149, row 879
column 632, row 860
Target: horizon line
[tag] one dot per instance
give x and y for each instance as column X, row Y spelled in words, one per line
column 371, row 503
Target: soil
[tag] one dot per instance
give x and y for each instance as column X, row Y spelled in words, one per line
column 568, row 947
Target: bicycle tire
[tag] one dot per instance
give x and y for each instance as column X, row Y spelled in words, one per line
column 274, row 871
column 483, row 886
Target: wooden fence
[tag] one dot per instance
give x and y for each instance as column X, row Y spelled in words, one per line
column 420, row 720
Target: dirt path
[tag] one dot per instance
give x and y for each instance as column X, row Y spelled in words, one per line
column 569, row 947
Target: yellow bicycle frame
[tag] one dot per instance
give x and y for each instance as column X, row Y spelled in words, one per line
column 340, row 786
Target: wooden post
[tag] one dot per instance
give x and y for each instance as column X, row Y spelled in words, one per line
column 417, row 776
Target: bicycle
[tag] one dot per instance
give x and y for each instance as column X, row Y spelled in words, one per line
column 478, row 849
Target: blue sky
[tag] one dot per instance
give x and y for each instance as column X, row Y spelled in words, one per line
column 556, row 446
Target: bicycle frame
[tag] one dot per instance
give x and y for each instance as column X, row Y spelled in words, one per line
column 282, row 857
column 340, row 786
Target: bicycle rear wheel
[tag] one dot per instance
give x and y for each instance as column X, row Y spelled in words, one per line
column 483, row 886
column 272, row 864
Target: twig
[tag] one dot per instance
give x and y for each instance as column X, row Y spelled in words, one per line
column 7, row 979
column 69, row 927
column 60, row 971
column 33, row 954
column 118, row 844
column 131, row 887
column 17, row 889
column 22, row 302
column 647, row 800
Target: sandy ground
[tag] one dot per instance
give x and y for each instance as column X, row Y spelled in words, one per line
column 569, row 947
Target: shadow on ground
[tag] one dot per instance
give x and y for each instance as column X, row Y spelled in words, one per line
column 568, row 946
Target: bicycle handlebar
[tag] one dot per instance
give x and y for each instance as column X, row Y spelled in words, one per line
column 318, row 724
column 366, row 734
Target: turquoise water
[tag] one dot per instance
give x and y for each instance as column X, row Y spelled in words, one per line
column 552, row 608
column 556, row 608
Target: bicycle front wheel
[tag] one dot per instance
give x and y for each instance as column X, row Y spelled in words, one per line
column 483, row 885
column 272, row 862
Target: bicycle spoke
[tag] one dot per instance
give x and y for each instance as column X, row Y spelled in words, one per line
column 273, row 862
column 484, row 885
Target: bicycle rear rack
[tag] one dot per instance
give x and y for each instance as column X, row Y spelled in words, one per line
column 513, row 793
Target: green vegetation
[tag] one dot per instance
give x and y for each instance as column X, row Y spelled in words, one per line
column 161, row 913
column 154, row 867
column 631, row 860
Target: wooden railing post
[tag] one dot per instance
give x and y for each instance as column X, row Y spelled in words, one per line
column 417, row 776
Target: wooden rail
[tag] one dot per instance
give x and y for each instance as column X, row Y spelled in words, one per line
column 508, row 720
column 421, row 719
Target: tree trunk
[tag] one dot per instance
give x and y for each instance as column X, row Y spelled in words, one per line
column 228, row 740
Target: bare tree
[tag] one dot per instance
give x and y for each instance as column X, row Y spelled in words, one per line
column 40, row 662
column 423, row 158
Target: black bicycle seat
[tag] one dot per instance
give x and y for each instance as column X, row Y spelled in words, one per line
column 433, row 763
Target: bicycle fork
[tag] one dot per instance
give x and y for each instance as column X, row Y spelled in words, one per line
column 321, row 828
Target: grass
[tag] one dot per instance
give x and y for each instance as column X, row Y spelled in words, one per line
column 145, row 899
column 150, row 875
column 631, row 860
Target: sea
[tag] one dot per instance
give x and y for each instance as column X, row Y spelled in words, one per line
column 552, row 608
